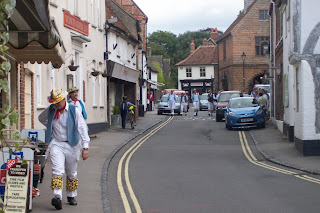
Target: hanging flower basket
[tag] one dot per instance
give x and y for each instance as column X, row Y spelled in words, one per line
column 104, row 74
column 95, row 73
column 72, row 67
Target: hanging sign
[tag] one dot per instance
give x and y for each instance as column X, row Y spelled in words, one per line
column 16, row 194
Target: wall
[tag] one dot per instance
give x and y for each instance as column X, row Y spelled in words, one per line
column 92, row 90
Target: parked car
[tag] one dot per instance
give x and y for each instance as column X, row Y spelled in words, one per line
column 223, row 101
column 204, row 102
column 244, row 111
column 163, row 106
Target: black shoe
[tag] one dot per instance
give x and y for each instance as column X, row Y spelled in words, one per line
column 56, row 202
column 72, row 201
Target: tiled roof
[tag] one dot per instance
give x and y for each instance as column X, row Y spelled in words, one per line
column 203, row 55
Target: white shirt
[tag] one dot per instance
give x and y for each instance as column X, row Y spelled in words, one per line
column 196, row 98
column 59, row 126
column 171, row 99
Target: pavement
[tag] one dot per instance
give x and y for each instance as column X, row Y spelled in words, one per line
column 92, row 172
column 275, row 147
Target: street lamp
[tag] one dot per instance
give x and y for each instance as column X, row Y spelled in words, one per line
column 243, row 56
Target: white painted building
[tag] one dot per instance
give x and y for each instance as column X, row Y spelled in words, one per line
column 122, row 67
column 197, row 70
column 81, row 27
column 301, row 64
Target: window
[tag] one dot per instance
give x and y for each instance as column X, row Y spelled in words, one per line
column 263, row 15
column 39, row 87
column 92, row 12
column 52, row 78
column 100, row 91
column 99, row 13
column 262, row 45
column 224, row 50
column 188, row 72
column 75, row 7
column 202, row 72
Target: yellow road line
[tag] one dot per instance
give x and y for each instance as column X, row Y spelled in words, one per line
column 263, row 164
column 124, row 198
column 249, row 155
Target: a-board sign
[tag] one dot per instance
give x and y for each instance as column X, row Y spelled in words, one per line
column 16, row 194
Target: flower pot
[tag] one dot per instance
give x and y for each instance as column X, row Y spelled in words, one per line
column 72, row 67
column 104, row 74
column 115, row 120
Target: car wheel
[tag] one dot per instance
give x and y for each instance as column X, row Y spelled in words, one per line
column 228, row 126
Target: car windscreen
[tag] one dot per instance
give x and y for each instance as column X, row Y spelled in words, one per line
column 204, row 96
column 243, row 103
column 227, row 96
column 165, row 98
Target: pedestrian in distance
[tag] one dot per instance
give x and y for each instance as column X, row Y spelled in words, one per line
column 65, row 127
column 73, row 99
column 196, row 100
column 262, row 100
column 172, row 98
column 124, row 106
column 151, row 101
column 183, row 104
column 211, row 98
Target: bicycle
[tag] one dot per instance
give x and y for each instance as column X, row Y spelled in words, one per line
column 131, row 116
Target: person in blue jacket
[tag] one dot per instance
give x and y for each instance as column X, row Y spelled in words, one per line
column 196, row 101
column 172, row 98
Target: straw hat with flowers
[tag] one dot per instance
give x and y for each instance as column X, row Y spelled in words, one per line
column 57, row 95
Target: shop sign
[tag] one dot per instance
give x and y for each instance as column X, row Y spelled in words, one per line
column 75, row 23
column 16, row 195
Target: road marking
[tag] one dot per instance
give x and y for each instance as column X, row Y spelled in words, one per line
column 249, row 155
column 133, row 148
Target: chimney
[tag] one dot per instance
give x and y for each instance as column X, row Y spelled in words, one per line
column 205, row 42
column 247, row 4
column 214, row 34
column 192, row 47
column 149, row 52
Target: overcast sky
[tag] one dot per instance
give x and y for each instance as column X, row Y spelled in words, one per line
column 179, row 16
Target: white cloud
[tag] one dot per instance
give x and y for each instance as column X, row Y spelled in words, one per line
column 179, row 16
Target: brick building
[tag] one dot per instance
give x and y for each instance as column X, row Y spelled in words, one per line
column 248, row 34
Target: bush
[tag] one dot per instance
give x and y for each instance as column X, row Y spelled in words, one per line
column 116, row 110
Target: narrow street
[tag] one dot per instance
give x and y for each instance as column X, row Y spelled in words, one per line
column 196, row 165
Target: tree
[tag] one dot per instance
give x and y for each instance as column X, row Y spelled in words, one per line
column 175, row 48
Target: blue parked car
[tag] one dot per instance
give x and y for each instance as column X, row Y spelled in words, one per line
column 244, row 112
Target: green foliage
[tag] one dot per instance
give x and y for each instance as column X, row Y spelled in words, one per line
column 175, row 48
column 116, row 110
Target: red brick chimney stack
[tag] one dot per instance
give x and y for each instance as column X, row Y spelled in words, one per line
column 214, row 34
column 205, row 42
column 192, row 47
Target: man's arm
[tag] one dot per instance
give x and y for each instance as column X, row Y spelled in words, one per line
column 43, row 117
column 83, row 131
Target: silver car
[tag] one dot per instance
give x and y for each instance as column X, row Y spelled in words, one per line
column 163, row 106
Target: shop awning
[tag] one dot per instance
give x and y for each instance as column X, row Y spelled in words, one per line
column 158, row 84
column 33, row 34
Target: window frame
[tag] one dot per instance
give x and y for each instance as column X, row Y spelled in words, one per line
column 202, row 72
column 188, row 72
column 259, row 50
column 263, row 15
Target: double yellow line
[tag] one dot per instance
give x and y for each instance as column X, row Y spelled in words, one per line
column 249, row 155
column 129, row 153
